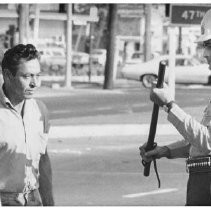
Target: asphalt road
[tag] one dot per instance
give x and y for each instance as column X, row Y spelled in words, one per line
column 118, row 101
column 108, row 172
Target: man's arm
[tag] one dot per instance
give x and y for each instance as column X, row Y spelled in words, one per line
column 196, row 133
column 45, row 181
column 178, row 149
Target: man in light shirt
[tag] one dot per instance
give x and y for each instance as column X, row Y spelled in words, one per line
column 196, row 146
column 25, row 169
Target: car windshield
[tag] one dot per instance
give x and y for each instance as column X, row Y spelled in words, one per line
column 56, row 53
column 187, row 62
column 137, row 55
column 97, row 52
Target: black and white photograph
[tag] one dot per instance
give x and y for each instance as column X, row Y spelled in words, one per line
column 105, row 104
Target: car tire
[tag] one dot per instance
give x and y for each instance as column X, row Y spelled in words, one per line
column 148, row 79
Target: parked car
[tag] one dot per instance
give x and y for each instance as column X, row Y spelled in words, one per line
column 138, row 57
column 79, row 59
column 98, row 56
column 57, row 57
column 187, row 71
column 52, row 56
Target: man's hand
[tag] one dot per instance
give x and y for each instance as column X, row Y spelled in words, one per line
column 156, row 153
column 161, row 96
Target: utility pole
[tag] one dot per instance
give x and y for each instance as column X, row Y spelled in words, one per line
column 36, row 24
column 108, row 81
column 68, row 76
column 91, row 38
column 172, row 58
column 26, row 22
column 21, row 23
column 147, row 37
column 179, row 50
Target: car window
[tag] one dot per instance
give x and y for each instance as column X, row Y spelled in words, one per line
column 137, row 55
column 180, row 62
column 56, row 53
column 188, row 63
column 195, row 61
column 184, row 62
column 98, row 52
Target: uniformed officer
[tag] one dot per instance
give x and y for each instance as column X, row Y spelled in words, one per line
column 196, row 145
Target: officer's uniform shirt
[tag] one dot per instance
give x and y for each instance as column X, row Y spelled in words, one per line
column 25, row 141
column 196, row 134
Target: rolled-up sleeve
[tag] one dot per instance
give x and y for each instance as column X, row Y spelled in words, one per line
column 179, row 149
column 194, row 132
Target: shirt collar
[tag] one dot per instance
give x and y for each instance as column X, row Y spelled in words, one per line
column 3, row 98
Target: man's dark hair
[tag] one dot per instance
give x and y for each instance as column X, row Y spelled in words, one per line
column 14, row 56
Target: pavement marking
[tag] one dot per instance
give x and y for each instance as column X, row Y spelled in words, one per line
column 78, row 131
column 62, row 111
column 154, row 192
column 65, row 151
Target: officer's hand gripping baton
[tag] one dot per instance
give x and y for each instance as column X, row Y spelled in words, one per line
column 153, row 125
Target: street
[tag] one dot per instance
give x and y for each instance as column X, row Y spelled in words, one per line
column 106, row 170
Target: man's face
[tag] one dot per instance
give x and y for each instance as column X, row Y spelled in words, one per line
column 26, row 80
column 207, row 52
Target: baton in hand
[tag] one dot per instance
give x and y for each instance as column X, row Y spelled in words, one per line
column 153, row 125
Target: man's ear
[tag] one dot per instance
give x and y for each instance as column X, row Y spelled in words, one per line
column 7, row 74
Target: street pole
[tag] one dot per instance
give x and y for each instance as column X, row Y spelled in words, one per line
column 108, row 82
column 179, row 50
column 36, row 24
column 91, row 37
column 21, row 23
column 27, row 22
column 147, row 37
column 172, row 58
column 68, row 76
column 141, row 34
column 116, row 56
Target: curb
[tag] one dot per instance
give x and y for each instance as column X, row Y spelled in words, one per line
column 79, row 131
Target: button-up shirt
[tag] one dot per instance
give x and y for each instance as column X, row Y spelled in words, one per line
column 196, row 134
column 22, row 141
